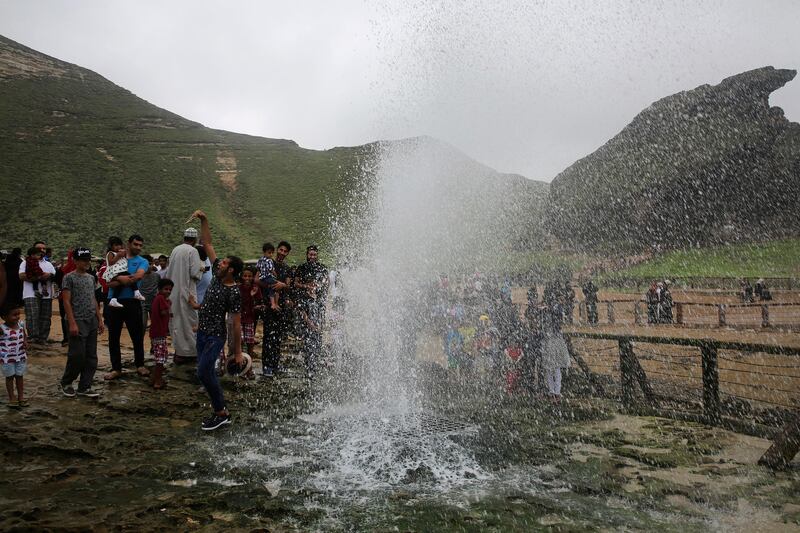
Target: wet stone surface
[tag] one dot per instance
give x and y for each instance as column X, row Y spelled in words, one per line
column 466, row 461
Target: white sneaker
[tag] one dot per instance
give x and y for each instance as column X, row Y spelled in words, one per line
column 114, row 303
column 138, row 295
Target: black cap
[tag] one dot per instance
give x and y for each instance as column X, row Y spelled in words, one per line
column 83, row 253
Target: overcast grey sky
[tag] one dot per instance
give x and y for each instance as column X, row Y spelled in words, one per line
column 522, row 86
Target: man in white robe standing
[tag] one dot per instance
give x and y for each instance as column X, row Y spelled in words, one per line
column 185, row 269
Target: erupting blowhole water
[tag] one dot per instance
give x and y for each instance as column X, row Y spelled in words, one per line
column 427, row 210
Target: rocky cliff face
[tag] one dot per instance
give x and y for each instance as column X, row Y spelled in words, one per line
column 707, row 166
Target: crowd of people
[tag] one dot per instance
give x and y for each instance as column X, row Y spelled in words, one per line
column 205, row 303
column 203, row 308
column 482, row 331
column 748, row 294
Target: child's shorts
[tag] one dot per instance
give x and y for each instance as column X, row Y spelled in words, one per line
column 160, row 350
column 249, row 333
column 15, row 369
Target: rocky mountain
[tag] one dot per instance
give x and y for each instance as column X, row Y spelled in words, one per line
column 711, row 165
column 83, row 158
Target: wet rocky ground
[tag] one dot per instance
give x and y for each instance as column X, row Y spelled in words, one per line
column 136, row 460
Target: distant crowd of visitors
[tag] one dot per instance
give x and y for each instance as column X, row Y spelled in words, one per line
column 206, row 303
column 482, row 330
column 748, row 294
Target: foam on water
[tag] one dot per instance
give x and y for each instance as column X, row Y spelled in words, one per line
column 357, row 449
column 385, row 450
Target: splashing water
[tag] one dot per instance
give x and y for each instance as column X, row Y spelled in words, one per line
column 426, row 212
column 430, row 210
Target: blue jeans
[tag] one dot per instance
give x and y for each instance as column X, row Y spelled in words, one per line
column 208, row 348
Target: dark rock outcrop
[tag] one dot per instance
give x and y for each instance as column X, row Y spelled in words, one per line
column 708, row 166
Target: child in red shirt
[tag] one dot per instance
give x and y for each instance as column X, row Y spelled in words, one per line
column 251, row 296
column 159, row 329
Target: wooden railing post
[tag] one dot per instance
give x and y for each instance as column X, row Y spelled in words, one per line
column 610, row 307
column 764, row 315
column 593, row 381
column 581, row 311
column 710, row 382
column 626, row 371
column 679, row 313
column 721, row 315
column 637, row 313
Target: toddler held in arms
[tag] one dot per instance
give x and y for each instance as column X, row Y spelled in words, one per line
column 117, row 265
column 34, row 271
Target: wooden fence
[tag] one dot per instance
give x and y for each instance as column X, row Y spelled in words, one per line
column 698, row 282
column 640, row 388
column 699, row 314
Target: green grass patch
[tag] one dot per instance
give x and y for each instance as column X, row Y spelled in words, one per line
column 775, row 259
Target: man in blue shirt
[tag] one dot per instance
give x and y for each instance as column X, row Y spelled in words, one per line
column 130, row 313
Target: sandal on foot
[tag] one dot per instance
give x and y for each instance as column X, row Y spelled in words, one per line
column 23, row 403
column 114, row 374
column 13, row 405
column 142, row 371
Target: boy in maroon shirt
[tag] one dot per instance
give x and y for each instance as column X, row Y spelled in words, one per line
column 251, row 302
column 159, row 329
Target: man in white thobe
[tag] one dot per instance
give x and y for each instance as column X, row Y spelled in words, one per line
column 185, row 269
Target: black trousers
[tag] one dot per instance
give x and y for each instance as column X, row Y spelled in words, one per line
column 63, row 315
column 276, row 325
column 130, row 314
column 82, row 355
column 312, row 350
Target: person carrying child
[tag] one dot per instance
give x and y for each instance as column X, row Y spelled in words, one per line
column 130, row 314
column 117, row 265
column 278, row 313
column 38, row 307
column 34, row 271
column 85, row 322
column 267, row 277
column 13, row 353
column 159, row 329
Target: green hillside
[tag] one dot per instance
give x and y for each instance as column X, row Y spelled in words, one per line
column 84, row 159
column 776, row 259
